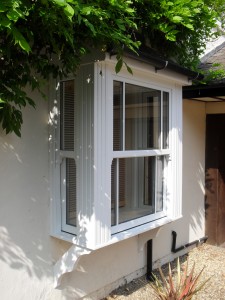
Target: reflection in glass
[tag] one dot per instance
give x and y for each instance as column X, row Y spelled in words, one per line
column 165, row 120
column 117, row 116
column 142, row 118
column 137, row 187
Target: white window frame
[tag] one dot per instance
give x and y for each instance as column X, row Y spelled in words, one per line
column 58, row 157
column 143, row 153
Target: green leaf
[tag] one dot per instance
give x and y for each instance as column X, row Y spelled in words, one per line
column 5, row 22
column 69, row 11
column 189, row 26
column 19, row 39
column 14, row 14
column 129, row 70
column 60, row 2
column 119, row 65
column 177, row 19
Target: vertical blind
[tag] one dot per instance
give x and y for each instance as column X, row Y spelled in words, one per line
column 67, row 111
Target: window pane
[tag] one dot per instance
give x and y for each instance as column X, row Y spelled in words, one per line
column 137, row 187
column 117, row 173
column 165, row 120
column 67, row 115
column 160, row 186
column 117, row 116
column 142, row 118
column 71, row 198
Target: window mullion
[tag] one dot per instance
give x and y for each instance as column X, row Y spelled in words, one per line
column 156, row 182
column 67, row 154
column 63, row 123
column 123, row 116
column 161, row 120
column 117, row 192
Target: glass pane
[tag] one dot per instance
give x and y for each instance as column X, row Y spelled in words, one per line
column 117, row 195
column 67, row 115
column 117, row 116
column 165, row 120
column 142, row 118
column 160, row 186
column 71, row 197
column 137, row 187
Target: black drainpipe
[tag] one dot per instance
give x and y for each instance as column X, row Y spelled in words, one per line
column 149, row 261
column 175, row 250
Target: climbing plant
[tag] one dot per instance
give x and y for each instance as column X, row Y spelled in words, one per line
column 44, row 38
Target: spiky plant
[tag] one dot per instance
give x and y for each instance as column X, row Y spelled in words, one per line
column 184, row 287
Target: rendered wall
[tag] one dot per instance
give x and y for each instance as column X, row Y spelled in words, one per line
column 215, row 108
column 26, row 250
column 28, row 253
column 192, row 225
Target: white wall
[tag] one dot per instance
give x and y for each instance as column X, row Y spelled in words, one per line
column 28, row 253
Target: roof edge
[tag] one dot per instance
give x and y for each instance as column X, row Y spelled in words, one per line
column 160, row 63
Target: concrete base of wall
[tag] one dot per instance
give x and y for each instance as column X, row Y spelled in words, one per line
column 104, row 292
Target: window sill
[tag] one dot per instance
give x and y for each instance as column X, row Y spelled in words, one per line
column 141, row 229
column 119, row 236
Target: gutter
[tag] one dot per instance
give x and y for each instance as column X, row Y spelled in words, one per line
column 202, row 91
column 148, row 56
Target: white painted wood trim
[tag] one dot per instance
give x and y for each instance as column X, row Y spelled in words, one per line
column 140, row 153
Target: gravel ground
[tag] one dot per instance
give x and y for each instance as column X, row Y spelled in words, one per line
column 211, row 258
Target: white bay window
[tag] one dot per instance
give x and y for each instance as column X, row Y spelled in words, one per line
column 116, row 154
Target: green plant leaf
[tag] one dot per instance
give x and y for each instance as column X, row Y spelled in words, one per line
column 14, row 14
column 177, row 19
column 69, row 11
column 19, row 38
column 60, row 2
column 5, row 22
column 129, row 69
column 119, row 65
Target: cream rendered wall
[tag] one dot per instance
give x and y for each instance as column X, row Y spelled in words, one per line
column 26, row 250
column 192, row 225
column 28, row 253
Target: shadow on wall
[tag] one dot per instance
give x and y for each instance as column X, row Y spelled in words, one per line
column 27, row 252
column 25, row 244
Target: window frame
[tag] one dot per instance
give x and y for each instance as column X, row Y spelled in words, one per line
column 143, row 153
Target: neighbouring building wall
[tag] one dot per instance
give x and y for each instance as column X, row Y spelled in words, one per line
column 215, row 108
column 27, row 251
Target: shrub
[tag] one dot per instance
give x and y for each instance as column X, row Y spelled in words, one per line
column 181, row 287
